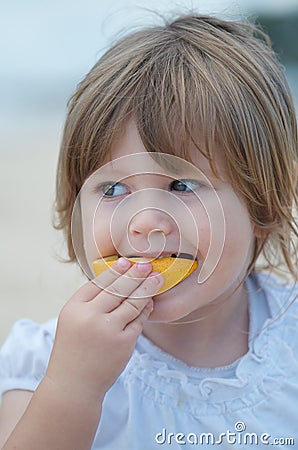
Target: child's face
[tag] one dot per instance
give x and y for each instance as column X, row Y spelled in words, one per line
column 135, row 207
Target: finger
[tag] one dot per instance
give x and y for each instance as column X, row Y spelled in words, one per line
column 131, row 307
column 113, row 295
column 107, row 277
column 133, row 329
column 91, row 289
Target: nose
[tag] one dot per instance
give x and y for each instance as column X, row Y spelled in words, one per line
column 151, row 220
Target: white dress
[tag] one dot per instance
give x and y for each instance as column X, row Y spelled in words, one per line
column 161, row 402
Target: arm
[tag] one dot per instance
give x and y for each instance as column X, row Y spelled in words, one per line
column 13, row 406
column 51, row 420
column 96, row 334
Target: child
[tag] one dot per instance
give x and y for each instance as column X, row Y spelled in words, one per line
column 181, row 139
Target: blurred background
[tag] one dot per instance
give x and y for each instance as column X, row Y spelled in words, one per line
column 46, row 48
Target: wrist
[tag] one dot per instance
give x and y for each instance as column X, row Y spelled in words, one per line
column 72, row 393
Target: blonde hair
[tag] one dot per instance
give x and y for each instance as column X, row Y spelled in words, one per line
column 196, row 74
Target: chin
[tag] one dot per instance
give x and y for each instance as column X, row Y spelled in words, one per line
column 178, row 302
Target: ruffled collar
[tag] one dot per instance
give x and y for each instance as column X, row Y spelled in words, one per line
column 239, row 384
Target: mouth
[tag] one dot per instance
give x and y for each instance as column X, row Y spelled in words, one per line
column 165, row 255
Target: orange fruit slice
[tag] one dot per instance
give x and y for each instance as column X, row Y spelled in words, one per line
column 174, row 270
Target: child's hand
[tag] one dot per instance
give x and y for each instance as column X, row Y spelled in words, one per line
column 97, row 329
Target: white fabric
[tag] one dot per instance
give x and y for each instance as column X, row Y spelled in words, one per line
column 157, row 396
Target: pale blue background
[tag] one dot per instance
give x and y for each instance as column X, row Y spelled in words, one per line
column 47, row 46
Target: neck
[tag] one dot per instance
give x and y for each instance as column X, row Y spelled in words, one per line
column 214, row 336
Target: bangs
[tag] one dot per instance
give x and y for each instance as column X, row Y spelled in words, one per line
column 169, row 94
column 175, row 107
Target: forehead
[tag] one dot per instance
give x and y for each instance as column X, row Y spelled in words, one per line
column 129, row 156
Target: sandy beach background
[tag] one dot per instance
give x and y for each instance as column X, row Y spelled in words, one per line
column 34, row 284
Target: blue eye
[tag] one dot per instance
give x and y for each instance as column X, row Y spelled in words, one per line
column 184, row 185
column 114, row 190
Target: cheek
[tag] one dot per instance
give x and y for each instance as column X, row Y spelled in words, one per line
column 204, row 232
column 225, row 238
column 104, row 240
column 96, row 232
column 239, row 238
column 210, row 220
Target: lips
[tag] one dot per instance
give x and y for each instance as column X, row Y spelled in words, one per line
column 174, row 268
column 166, row 255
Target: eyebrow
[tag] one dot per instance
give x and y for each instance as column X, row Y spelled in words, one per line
column 113, row 170
column 120, row 173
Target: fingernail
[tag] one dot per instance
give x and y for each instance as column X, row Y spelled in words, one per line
column 155, row 278
column 143, row 266
column 123, row 263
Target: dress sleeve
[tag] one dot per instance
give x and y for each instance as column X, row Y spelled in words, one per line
column 25, row 354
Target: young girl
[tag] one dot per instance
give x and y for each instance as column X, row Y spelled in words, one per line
column 181, row 139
